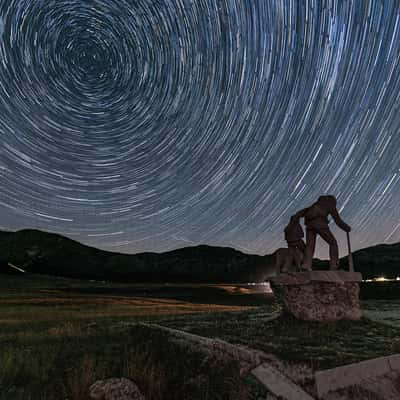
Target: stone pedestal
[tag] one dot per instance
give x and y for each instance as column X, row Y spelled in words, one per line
column 319, row 295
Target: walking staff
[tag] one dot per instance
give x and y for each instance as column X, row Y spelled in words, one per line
column 351, row 263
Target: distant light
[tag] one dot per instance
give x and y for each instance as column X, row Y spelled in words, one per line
column 258, row 283
column 260, row 286
column 382, row 279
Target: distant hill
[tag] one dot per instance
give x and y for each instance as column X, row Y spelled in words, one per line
column 52, row 254
column 41, row 252
column 383, row 259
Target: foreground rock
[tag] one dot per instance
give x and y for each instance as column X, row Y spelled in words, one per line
column 115, row 389
column 319, row 295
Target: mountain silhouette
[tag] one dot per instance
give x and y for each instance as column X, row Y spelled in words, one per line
column 46, row 253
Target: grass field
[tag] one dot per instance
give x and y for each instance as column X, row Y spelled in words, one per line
column 58, row 336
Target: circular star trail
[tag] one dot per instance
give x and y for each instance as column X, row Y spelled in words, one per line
column 139, row 125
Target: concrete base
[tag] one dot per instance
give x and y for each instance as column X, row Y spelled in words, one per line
column 279, row 384
column 319, row 295
column 372, row 379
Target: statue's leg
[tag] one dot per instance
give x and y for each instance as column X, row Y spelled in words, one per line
column 299, row 254
column 301, row 245
column 310, row 248
column 290, row 258
column 302, row 249
column 278, row 262
column 327, row 235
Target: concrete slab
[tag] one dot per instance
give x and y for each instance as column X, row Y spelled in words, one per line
column 303, row 278
column 278, row 384
column 394, row 362
column 355, row 374
column 348, row 276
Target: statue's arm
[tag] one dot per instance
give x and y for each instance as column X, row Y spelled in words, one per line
column 339, row 222
column 301, row 213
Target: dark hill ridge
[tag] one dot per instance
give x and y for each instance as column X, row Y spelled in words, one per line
column 52, row 254
column 383, row 259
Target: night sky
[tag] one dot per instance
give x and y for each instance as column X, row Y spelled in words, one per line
column 149, row 125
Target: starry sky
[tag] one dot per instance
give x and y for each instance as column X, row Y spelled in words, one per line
column 150, row 125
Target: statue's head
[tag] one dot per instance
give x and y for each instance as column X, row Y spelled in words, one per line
column 328, row 200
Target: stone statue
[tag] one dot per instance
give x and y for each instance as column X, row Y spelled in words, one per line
column 316, row 221
column 315, row 295
column 290, row 259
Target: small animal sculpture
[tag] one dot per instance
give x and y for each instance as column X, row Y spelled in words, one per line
column 284, row 261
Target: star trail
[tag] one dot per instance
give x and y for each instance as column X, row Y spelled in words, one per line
column 149, row 125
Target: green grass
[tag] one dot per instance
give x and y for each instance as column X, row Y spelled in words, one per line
column 320, row 345
column 386, row 311
column 64, row 362
column 58, row 336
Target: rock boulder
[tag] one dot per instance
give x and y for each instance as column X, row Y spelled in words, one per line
column 115, row 389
